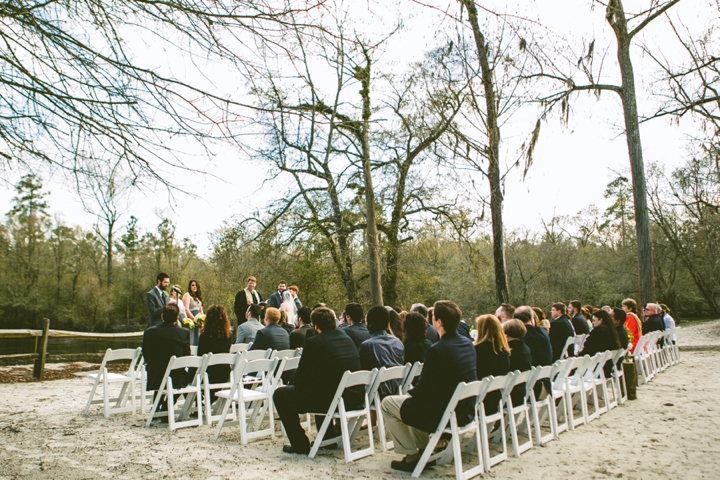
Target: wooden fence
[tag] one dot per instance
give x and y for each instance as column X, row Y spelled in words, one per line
column 41, row 340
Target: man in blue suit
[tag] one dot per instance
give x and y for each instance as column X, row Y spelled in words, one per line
column 156, row 298
column 273, row 335
column 450, row 361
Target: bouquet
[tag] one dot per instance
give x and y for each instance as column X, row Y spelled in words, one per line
column 189, row 323
column 199, row 319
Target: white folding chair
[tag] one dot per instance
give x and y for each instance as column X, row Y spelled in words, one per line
column 126, row 381
column 618, row 376
column 559, row 405
column 259, row 398
column 240, row 347
column 146, row 397
column 228, row 359
column 579, row 342
column 287, row 364
column 575, row 391
column 515, row 412
column 643, row 362
column 385, row 374
column 170, row 392
column 414, row 372
column 568, row 342
column 675, row 347
column 463, row 391
column 486, row 421
column 348, row 419
column 283, row 353
column 596, row 385
column 536, row 406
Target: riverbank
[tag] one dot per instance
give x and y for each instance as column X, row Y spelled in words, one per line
column 672, row 431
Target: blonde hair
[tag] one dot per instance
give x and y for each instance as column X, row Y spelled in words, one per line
column 490, row 330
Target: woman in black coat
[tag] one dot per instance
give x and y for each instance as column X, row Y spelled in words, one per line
column 415, row 342
column 602, row 337
column 216, row 338
column 493, row 355
column 520, row 355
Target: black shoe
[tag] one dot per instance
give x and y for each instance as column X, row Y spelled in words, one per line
column 404, row 466
column 290, row 449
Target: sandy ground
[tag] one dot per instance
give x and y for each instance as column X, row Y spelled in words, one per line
column 671, row 431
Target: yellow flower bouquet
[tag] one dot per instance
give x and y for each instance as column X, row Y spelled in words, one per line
column 199, row 319
column 189, row 323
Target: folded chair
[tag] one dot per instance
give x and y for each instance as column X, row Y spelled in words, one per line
column 126, row 382
column 170, row 392
column 348, row 418
column 253, row 401
column 462, row 391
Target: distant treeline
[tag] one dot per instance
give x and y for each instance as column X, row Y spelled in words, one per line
column 90, row 280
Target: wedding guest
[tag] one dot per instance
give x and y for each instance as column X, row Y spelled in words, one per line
column 632, row 322
column 431, row 334
column 602, row 337
column 356, row 328
column 272, row 335
column 619, row 316
column 395, row 327
column 283, row 322
column 216, row 337
column 297, row 338
column 193, row 299
column 520, row 355
column 248, row 329
column 493, row 355
column 416, row 342
column 381, row 349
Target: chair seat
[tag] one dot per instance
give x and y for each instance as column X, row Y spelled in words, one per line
column 248, row 395
column 111, row 377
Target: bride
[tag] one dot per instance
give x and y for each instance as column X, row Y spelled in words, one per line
column 288, row 306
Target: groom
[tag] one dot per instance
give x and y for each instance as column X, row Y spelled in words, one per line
column 156, row 298
column 276, row 298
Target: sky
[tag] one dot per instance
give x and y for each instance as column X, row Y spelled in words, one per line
column 572, row 164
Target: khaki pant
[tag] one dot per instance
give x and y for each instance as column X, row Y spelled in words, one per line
column 407, row 440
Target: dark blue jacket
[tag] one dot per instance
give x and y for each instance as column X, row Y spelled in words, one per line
column 272, row 336
column 580, row 324
column 448, row 362
column 538, row 341
column 358, row 332
column 159, row 344
column 560, row 330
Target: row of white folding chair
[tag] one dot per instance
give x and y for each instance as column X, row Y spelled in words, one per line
column 655, row 352
column 240, row 347
column 577, row 342
column 126, row 382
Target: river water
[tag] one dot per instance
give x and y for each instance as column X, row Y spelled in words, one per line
column 59, row 346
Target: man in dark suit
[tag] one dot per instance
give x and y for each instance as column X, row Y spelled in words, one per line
column 356, row 329
column 579, row 322
column 297, row 337
column 326, row 357
column 653, row 321
column 155, row 299
column 381, row 349
column 538, row 341
column 560, row 330
column 244, row 298
column 162, row 342
column 410, row 418
column 273, row 335
column 276, row 298
column 431, row 334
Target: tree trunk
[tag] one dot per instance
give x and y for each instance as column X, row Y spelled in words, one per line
column 373, row 242
column 493, row 154
column 618, row 22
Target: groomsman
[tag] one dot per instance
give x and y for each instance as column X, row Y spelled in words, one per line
column 156, row 299
column 246, row 297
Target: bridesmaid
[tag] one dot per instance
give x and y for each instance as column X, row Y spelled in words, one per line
column 193, row 306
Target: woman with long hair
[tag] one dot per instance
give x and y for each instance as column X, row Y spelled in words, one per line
column 283, row 322
column 395, row 325
column 216, row 338
column 192, row 303
column 632, row 322
column 493, row 355
column 415, row 342
column 601, row 338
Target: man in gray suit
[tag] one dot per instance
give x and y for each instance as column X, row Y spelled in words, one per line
column 156, row 298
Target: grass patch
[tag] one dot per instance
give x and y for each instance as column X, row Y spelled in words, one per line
column 690, row 323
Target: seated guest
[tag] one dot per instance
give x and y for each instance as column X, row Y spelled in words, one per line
column 297, row 338
column 283, row 322
column 464, row 329
column 356, row 328
column 619, row 316
column 325, row 359
column 560, row 330
column 449, row 361
column 520, row 356
column 505, row 312
column 216, row 337
column 493, row 355
column 632, row 322
column 381, row 349
column 431, row 334
column 246, row 331
column 273, row 335
column 579, row 322
column 416, row 342
column 669, row 321
column 653, row 320
column 538, row 341
column 162, row 342
column 395, row 326
column 602, row 337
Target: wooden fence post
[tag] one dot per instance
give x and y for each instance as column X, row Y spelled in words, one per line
column 39, row 369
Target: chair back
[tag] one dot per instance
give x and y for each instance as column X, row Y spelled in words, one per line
column 283, row 353
column 538, row 373
column 250, row 355
column 414, row 372
column 568, row 342
column 239, row 347
column 132, row 354
column 262, row 370
column 386, row 374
